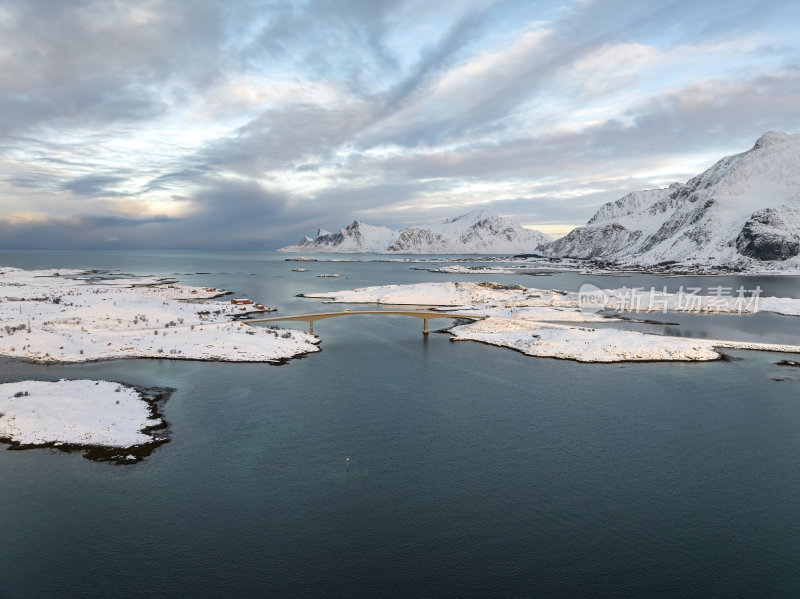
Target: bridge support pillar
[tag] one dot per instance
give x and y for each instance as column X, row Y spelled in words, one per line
column 425, row 327
column 310, row 327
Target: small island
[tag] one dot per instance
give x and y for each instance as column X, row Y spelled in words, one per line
column 106, row 421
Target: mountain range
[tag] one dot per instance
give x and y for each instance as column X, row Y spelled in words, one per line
column 477, row 232
column 741, row 213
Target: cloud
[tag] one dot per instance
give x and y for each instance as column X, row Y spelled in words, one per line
column 712, row 114
column 86, row 63
column 281, row 137
column 84, row 231
column 169, row 123
column 93, row 185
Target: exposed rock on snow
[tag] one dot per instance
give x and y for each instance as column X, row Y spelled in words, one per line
column 476, row 232
column 110, row 421
column 769, row 235
column 743, row 213
column 51, row 316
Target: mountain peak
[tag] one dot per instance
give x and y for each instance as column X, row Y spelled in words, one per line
column 770, row 138
column 473, row 216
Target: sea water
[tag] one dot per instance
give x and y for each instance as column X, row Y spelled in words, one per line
column 474, row 471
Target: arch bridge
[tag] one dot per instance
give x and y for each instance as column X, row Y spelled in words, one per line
column 425, row 315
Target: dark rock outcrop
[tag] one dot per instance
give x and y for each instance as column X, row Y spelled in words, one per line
column 767, row 236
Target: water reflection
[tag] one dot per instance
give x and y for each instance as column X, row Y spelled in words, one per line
column 762, row 327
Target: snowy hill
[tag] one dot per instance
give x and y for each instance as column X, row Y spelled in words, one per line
column 356, row 237
column 743, row 212
column 476, row 232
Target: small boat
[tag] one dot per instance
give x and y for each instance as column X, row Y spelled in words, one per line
column 329, row 276
column 299, row 270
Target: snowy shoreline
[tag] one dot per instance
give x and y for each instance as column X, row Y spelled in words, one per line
column 547, row 323
column 541, row 269
column 106, row 421
column 54, row 317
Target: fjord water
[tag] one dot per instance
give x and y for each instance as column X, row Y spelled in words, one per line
column 474, row 471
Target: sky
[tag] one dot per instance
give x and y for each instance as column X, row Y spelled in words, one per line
column 246, row 124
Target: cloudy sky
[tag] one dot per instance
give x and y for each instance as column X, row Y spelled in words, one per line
column 247, row 124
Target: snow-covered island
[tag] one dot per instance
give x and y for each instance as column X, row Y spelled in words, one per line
column 53, row 316
column 69, row 316
column 107, row 421
column 554, row 323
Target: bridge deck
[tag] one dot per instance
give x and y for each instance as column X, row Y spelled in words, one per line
column 321, row 315
column 312, row 318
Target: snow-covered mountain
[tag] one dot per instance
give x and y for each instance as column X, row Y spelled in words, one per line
column 476, row 232
column 356, row 237
column 743, row 212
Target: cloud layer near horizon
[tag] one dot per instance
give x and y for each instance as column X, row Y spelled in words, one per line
column 246, row 124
